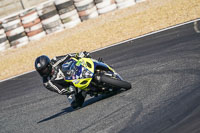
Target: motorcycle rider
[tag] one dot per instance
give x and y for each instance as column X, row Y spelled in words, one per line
column 53, row 77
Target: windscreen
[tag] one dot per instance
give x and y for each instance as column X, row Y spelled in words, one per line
column 69, row 68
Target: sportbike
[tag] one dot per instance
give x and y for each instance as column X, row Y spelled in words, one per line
column 93, row 76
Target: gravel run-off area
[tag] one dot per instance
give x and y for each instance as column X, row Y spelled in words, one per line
column 107, row 29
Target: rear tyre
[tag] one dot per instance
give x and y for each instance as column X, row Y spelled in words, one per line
column 115, row 82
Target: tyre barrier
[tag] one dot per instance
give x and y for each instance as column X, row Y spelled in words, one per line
column 105, row 6
column 31, row 23
column 1, row 27
column 15, row 31
column 124, row 3
column 37, row 36
column 86, row 9
column 137, row 1
column 4, row 44
column 52, row 24
column 23, row 40
column 49, row 17
column 68, row 14
column 64, row 6
column 53, row 16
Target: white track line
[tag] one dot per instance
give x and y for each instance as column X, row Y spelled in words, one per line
column 178, row 25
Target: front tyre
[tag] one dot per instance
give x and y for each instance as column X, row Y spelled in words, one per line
column 78, row 102
column 115, row 82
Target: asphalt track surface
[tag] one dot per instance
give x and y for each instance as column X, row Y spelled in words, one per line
column 164, row 70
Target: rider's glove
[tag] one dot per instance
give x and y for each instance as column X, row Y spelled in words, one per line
column 84, row 54
column 71, row 90
column 100, row 59
column 87, row 54
column 68, row 93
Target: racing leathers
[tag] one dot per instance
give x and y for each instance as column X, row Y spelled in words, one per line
column 55, row 82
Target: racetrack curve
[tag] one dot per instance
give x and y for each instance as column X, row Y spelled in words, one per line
column 164, row 70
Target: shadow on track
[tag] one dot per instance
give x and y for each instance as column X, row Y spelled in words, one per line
column 86, row 103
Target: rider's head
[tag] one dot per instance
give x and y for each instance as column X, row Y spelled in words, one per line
column 42, row 65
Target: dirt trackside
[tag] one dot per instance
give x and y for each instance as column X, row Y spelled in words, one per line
column 105, row 30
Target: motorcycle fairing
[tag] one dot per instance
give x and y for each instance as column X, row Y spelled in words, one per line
column 81, row 71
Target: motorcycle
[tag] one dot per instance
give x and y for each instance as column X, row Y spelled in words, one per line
column 93, row 76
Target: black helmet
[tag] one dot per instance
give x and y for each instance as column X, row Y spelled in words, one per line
column 42, row 65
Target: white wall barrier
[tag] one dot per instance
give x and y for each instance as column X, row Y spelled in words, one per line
column 52, row 16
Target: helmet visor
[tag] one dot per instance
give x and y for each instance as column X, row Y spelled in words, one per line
column 45, row 72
